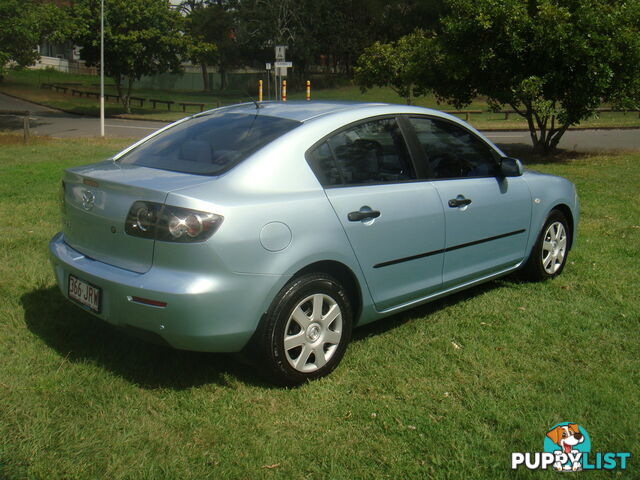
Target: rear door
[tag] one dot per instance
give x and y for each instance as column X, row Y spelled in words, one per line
column 487, row 217
column 393, row 221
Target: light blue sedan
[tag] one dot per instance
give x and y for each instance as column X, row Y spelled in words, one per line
column 276, row 228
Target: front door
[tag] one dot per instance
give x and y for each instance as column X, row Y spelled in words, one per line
column 487, row 217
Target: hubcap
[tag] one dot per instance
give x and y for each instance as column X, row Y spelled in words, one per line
column 554, row 247
column 312, row 333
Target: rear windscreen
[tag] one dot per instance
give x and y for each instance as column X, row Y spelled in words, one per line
column 209, row 144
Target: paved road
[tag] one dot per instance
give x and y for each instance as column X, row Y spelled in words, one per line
column 580, row 140
column 47, row 121
column 51, row 122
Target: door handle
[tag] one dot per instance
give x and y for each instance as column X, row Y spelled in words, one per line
column 460, row 201
column 363, row 215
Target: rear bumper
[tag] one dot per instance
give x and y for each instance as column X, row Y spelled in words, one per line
column 217, row 312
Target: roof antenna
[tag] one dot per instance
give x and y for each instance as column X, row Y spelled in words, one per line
column 258, row 106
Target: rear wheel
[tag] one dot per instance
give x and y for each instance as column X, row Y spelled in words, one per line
column 549, row 255
column 306, row 330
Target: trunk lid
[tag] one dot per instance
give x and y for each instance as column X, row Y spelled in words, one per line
column 97, row 199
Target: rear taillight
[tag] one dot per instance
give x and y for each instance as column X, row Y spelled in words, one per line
column 170, row 224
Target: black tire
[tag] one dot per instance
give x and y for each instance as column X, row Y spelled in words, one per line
column 543, row 264
column 290, row 365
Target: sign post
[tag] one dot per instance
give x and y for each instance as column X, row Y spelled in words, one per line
column 280, row 55
column 281, row 68
column 268, row 67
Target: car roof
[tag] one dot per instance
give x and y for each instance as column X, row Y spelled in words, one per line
column 302, row 111
column 336, row 113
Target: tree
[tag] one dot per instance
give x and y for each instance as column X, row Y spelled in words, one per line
column 554, row 62
column 200, row 30
column 397, row 64
column 336, row 29
column 142, row 37
column 26, row 24
column 211, row 31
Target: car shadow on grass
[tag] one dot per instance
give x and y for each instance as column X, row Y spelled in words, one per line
column 79, row 337
column 419, row 313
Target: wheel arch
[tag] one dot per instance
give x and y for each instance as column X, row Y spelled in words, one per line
column 344, row 275
column 568, row 214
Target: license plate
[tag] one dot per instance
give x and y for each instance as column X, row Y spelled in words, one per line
column 84, row 293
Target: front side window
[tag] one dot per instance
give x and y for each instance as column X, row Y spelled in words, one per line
column 209, row 144
column 452, row 151
column 367, row 153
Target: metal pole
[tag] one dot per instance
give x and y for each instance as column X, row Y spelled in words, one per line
column 102, row 68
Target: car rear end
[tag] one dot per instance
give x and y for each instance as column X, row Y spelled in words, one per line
column 139, row 251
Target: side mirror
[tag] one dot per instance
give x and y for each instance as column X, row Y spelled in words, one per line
column 510, row 167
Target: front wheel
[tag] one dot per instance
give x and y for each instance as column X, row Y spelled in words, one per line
column 307, row 329
column 549, row 255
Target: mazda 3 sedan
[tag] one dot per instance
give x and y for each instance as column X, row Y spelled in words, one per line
column 276, row 228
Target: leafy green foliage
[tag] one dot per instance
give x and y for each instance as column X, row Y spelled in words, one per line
column 552, row 61
column 142, row 37
column 210, row 32
column 24, row 25
column 398, row 65
column 332, row 33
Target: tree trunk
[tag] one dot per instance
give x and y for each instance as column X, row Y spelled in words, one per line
column 205, row 77
column 126, row 99
column 118, row 80
column 544, row 140
column 557, row 135
column 410, row 95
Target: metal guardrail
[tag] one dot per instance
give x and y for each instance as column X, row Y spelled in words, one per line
column 25, row 114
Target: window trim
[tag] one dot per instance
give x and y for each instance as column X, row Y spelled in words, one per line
column 420, row 154
column 403, row 132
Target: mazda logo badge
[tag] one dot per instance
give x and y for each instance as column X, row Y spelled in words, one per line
column 88, row 199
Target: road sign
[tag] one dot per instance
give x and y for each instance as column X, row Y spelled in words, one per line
column 280, row 50
column 268, row 66
column 283, row 64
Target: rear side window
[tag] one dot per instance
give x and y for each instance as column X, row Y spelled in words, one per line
column 452, row 151
column 367, row 153
column 210, row 144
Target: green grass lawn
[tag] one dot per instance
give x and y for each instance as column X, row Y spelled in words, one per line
column 26, row 84
column 445, row 391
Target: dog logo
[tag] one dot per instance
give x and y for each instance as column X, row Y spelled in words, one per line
column 566, row 438
column 567, row 448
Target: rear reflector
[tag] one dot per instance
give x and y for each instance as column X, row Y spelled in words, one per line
column 147, row 301
column 89, row 182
